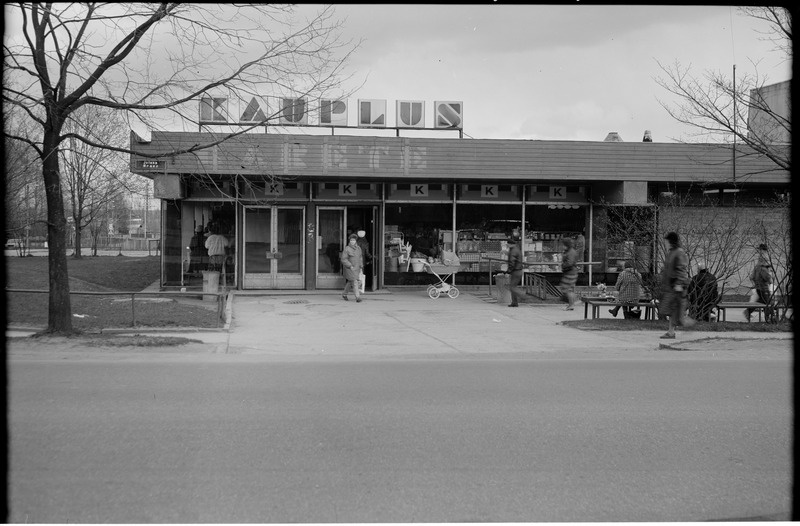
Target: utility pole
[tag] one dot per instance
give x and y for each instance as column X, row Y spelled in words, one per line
column 734, row 125
column 146, row 207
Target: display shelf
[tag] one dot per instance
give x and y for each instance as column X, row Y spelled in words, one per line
column 542, row 251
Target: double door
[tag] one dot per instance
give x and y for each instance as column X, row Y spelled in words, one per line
column 273, row 255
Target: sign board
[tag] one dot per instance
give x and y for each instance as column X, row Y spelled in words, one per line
column 448, row 114
column 228, row 108
column 153, row 165
column 333, row 112
column 372, row 113
column 168, row 186
column 410, row 114
column 293, row 112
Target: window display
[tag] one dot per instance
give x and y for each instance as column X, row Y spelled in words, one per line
column 413, row 232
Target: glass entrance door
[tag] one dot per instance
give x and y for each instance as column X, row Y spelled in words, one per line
column 330, row 243
column 273, row 248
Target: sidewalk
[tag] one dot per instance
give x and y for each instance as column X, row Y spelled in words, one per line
column 408, row 323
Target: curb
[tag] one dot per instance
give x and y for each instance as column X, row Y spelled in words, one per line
column 682, row 345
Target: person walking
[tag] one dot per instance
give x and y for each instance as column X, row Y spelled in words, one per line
column 675, row 279
column 569, row 272
column 703, row 294
column 363, row 244
column 762, row 279
column 629, row 286
column 352, row 261
column 515, row 269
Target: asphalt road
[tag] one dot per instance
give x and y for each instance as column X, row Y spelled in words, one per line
column 232, row 438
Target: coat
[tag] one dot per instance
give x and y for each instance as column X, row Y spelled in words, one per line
column 760, row 276
column 514, row 258
column 703, row 293
column 629, row 286
column 675, row 270
column 352, row 262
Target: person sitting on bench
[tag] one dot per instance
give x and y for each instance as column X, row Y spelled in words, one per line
column 629, row 286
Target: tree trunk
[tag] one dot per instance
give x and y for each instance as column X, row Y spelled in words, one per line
column 59, row 319
column 77, row 252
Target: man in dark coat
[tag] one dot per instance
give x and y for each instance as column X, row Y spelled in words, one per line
column 703, row 293
column 675, row 280
column 515, row 269
column 762, row 279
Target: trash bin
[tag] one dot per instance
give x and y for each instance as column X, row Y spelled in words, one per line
column 210, row 284
column 500, row 291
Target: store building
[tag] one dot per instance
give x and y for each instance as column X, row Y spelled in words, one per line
column 287, row 202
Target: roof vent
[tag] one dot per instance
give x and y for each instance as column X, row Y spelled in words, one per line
column 613, row 137
column 647, row 136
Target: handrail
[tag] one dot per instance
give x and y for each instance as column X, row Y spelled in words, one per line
column 540, row 282
column 220, row 297
column 540, row 286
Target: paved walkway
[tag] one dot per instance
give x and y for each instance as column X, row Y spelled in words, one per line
column 408, row 323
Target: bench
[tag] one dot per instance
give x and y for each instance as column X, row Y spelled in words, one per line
column 723, row 306
column 649, row 307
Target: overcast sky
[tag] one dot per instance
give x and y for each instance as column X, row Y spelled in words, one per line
column 547, row 72
column 571, row 72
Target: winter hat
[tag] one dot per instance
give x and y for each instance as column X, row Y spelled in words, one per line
column 672, row 237
column 353, row 236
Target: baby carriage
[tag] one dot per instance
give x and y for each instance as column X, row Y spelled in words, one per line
column 437, row 289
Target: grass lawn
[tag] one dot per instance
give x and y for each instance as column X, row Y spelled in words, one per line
column 614, row 324
column 101, row 274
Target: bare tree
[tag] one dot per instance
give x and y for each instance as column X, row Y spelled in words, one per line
column 149, row 61
column 718, row 106
column 774, row 230
column 723, row 237
column 93, row 176
column 24, row 192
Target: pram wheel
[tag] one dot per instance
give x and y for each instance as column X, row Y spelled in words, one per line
column 433, row 292
column 453, row 292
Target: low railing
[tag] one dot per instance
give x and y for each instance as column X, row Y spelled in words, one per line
column 220, row 298
column 535, row 284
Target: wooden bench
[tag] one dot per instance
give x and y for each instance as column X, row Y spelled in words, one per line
column 596, row 303
column 723, row 306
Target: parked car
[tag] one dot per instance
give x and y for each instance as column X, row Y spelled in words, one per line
column 13, row 243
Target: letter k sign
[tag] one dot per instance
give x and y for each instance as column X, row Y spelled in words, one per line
column 558, row 192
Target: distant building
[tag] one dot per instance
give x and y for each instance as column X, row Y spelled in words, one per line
column 773, row 125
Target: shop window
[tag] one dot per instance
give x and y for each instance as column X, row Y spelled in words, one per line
column 198, row 221
column 482, row 233
column 413, row 230
column 546, row 226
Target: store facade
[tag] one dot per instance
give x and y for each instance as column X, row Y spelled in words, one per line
column 288, row 202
